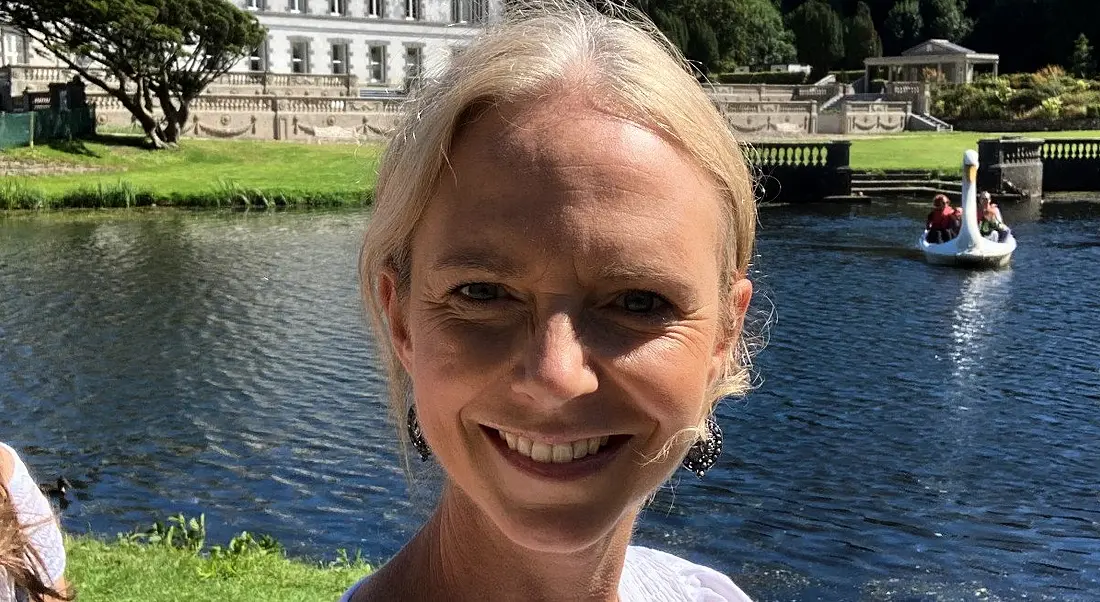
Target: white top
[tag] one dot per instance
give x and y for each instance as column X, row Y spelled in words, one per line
column 653, row 576
column 35, row 514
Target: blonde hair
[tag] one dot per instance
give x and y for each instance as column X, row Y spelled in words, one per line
column 19, row 559
column 539, row 49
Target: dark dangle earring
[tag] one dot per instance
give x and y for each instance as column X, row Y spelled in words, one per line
column 416, row 436
column 704, row 452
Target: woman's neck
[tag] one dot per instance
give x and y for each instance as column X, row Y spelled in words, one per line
column 460, row 554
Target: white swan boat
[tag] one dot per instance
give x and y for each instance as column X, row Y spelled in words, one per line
column 969, row 249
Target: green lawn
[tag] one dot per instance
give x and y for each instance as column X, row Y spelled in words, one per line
column 246, row 172
column 214, row 169
column 129, row 572
column 930, row 151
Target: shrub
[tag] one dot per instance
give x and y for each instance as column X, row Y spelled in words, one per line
column 1092, row 111
column 765, row 77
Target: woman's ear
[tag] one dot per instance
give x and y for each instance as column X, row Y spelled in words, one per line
column 389, row 291
column 740, row 295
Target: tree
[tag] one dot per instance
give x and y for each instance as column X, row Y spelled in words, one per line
column 904, row 24
column 165, row 51
column 1083, row 64
column 861, row 40
column 945, row 19
column 819, row 35
column 754, row 34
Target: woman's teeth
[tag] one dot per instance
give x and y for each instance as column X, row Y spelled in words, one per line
column 557, row 454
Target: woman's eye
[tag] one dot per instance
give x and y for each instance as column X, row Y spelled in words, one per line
column 641, row 302
column 479, row 291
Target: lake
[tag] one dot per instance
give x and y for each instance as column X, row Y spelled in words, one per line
column 917, row 434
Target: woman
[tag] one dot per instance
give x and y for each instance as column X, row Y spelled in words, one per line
column 556, row 271
column 32, row 554
column 990, row 223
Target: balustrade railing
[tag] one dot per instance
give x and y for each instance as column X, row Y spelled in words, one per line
column 1065, row 150
column 799, row 154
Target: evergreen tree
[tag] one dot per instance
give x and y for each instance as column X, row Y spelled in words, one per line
column 945, row 19
column 819, row 36
column 1083, row 64
column 861, row 40
column 903, row 26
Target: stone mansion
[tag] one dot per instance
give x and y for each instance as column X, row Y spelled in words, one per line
column 385, row 44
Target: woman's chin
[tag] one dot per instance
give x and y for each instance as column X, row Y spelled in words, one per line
column 561, row 530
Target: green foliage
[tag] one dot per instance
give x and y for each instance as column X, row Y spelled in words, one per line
column 945, row 19
column 1082, row 62
column 159, row 53
column 713, row 32
column 169, row 562
column 763, row 77
column 1046, row 94
column 861, row 39
column 819, row 35
column 753, row 33
column 904, row 24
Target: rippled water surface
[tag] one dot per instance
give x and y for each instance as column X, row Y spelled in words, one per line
column 920, row 434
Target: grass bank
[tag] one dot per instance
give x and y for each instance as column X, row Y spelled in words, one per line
column 119, row 171
column 171, row 562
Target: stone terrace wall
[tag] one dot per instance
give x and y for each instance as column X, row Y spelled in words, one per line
column 301, row 118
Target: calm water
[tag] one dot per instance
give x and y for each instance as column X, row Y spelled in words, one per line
column 920, row 434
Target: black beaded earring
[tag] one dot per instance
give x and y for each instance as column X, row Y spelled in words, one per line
column 416, row 436
column 704, row 452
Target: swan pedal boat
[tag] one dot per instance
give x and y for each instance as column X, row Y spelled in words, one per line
column 969, row 249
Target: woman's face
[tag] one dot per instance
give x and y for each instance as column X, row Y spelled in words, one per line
column 563, row 320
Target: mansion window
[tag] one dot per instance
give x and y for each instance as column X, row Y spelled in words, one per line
column 374, row 8
column 412, row 9
column 296, row 6
column 254, row 4
column 376, row 70
column 469, row 11
column 340, row 58
column 299, row 56
column 338, row 7
column 414, row 63
column 257, row 59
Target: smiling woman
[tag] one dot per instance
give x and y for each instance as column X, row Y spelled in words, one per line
column 556, row 271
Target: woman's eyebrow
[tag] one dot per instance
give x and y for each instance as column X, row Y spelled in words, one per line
column 477, row 261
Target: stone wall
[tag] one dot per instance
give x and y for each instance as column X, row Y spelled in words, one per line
column 274, row 117
column 770, row 118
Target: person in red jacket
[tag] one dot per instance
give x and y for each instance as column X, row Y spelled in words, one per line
column 944, row 220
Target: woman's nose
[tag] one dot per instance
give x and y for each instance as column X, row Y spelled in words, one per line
column 555, row 365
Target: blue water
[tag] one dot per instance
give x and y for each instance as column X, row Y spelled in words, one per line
column 919, row 433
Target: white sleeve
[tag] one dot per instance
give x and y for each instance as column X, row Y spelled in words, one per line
column 36, row 516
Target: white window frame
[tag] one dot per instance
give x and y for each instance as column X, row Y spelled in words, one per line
column 254, row 4
column 338, row 8
column 344, row 68
column 304, row 61
column 258, row 56
column 412, row 10
column 373, row 65
column 374, row 9
column 296, row 6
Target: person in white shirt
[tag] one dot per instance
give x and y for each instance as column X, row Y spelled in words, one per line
column 32, row 553
column 556, row 271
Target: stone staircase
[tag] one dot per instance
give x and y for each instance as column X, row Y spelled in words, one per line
column 903, row 184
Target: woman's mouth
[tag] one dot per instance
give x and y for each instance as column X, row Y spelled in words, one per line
column 553, row 453
column 557, row 461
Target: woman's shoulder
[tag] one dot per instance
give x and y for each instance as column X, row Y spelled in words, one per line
column 662, row 577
